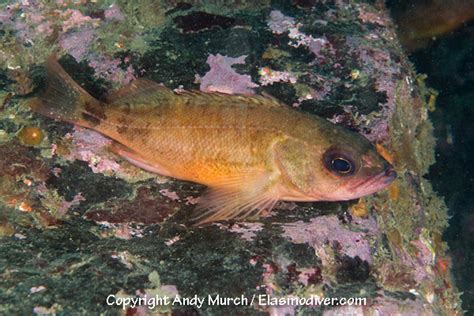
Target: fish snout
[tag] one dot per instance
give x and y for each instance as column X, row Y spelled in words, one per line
column 390, row 174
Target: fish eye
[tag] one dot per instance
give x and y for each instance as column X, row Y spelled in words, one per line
column 339, row 163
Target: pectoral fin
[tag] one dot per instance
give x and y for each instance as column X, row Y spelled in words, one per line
column 238, row 197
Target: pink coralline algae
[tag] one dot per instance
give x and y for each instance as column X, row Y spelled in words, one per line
column 325, row 229
column 90, row 146
column 269, row 76
column 421, row 262
column 32, row 23
column 170, row 194
column 367, row 16
column 75, row 18
column 223, row 78
column 110, row 69
column 375, row 61
column 324, row 86
column 66, row 205
column 113, row 13
column 247, row 231
column 6, row 15
column 280, row 24
column 77, row 43
column 306, row 274
column 73, row 31
column 31, row 13
column 191, row 200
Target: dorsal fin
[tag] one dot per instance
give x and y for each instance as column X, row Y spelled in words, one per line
column 271, row 99
column 144, row 91
column 230, row 99
column 137, row 89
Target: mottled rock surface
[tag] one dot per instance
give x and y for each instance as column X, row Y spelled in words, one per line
column 78, row 224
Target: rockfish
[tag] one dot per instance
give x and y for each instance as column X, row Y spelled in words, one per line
column 251, row 151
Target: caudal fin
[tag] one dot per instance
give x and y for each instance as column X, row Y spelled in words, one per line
column 65, row 100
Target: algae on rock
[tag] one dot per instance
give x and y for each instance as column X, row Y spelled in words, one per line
column 71, row 228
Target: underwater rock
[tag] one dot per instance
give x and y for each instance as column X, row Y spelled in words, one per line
column 147, row 207
column 198, row 21
column 123, row 232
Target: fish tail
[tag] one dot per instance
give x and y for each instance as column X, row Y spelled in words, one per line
column 65, row 100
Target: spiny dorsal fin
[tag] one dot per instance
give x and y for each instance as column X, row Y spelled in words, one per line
column 271, row 99
column 232, row 99
column 147, row 92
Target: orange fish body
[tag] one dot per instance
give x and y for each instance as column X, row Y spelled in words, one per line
column 251, row 151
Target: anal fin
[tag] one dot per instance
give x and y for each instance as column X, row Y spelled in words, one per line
column 238, row 197
column 138, row 160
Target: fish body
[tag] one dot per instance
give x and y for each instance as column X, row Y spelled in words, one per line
column 251, row 151
column 424, row 21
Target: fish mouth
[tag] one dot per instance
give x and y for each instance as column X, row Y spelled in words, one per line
column 389, row 174
column 362, row 187
column 381, row 180
column 376, row 183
